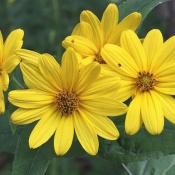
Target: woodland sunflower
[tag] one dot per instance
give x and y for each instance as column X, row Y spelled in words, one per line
column 66, row 98
column 148, row 73
column 8, row 60
column 91, row 34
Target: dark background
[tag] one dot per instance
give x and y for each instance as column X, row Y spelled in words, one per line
column 46, row 23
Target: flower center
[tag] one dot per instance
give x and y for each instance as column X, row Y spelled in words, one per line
column 67, row 102
column 145, row 81
column 99, row 59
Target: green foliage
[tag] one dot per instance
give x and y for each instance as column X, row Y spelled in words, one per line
column 46, row 23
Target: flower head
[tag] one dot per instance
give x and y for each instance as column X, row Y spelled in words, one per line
column 8, row 60
column 148, row 74
column 66, row 98
column 91, row 34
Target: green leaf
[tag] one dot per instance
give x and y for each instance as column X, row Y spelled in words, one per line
column 30, row 162
column 162, row 166
column 144, row 7
column 139, row 147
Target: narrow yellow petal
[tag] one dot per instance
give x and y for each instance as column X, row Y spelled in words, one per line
column 132, row 44
column 70, row 69
column 30, row 98
column 103, row 125
column 131, row 22
column 152, row 44
column 4, row 78
column 83, row 29
column 89, row 17
column 50, row 69
column 25, row 116
column 44, row 129
column 104, row 106
column 87, row 75
column 64, row 135
column 1, row 47
column 152, row 113
column 28, row 56
column 2, row 102
column 81, row 44
column 32, row 75
column 133, row 117
column 13, row 42
column 86, row 134
column 168, row 104
column 119, row 60
column 109, row 21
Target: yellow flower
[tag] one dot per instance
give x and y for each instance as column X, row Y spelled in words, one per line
column 91, row 34
column 148, row 73
column 65, row 98
column 8, row 60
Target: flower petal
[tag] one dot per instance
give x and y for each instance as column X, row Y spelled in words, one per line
column 89, row 17
column 87, row 75
column 25, row 116
column 119, row 60
column 4, row 80
column 2, row 102
column 152, row 44
column 104, row 106
column 70, row 69
column 109, row 21
column 44, row 129
column 13, row 42
column 86, row 134
column 103, row 126
column 1, row 47
column 64, row 135
column 152, row 113
column 131, row 22
column 81, row 44
column 133, row 117
column 50, row 70
column 132, row 44
column 30, row 98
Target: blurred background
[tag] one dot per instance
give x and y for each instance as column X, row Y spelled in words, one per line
column 46, row 23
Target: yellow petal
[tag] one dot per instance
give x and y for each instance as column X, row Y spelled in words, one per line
column 132, row 44
column 89, row 17
column 34, row 79
column 44, row 129
column 103, row 126
column 2, row 103
column 64, row 135
column 168, row 104
column 4, row 80
column 152, row 44
column 13, row 42
column 10, row 63
column 167, row 53
column 25, row 116
column 87, row 75
column 70, row 69
column 28, row 56
column 1, row 47
column 119, row 60
column 86, row 134
column 109, row 21
column 83, row 29
column 152, row 113
column 133, row 117
column 104, row 106
column 50, row 69
column 30, row 98
column 131, row 22
column 81, row 44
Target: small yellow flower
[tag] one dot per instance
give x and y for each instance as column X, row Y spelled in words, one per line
column 91, row 34
column 66, row 98
column 8, row 60
column 148, row 74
